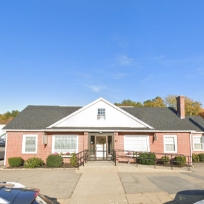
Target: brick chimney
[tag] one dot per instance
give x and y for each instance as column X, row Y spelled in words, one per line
column 181, row 106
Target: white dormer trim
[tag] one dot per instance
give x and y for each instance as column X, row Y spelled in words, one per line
column 94, row 102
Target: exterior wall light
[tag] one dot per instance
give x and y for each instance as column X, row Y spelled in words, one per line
column 155, row 137
column 45, row 139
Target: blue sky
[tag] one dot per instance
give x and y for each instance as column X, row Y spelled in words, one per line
column 73, row 52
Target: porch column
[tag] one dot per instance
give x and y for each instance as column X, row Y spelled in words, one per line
column 85, row 140
column 115, row 140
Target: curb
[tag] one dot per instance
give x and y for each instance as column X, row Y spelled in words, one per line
column 31, row 169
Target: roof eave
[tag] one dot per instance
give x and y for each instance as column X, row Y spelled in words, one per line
column 98, row 130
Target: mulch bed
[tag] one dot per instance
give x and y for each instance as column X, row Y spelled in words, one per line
column 65, row 166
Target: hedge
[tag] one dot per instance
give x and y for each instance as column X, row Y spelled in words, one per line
column 73, row 159
column 33, row 162
column 54, row 160
column 147, row 158
column 195, row 158
column 180, row 160
column 165, row 159
column 201, row 157
column 15, row 161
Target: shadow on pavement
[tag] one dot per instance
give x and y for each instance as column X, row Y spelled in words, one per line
column 54, row 200
column 188, row 197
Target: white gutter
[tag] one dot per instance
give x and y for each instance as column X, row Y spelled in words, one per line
column 96, row 130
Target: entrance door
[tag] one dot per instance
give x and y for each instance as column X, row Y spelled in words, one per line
column 100, row 147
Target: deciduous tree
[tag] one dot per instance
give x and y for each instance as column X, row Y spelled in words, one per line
column 156, row 102
column 191, row 107
column 8, row 116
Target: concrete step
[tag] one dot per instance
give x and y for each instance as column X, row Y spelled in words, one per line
column 97, row 169
column 126, row 168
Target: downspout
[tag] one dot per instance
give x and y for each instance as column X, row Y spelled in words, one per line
column 5, row 151
column 191, row 147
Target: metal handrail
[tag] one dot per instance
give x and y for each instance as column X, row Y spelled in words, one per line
column 127, row 154
column 82, row 157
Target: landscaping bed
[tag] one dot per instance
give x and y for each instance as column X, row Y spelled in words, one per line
column 52, row 161
column 44, row 166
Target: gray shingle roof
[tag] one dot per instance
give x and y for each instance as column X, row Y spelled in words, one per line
column 165, row 118
column 40, row 117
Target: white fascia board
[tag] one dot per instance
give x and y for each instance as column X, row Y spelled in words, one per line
column 105, row 101
column 100, row 130
column 113, row 130
column 194, row 132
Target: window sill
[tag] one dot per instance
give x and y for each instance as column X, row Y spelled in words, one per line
column 29, row 152
column 132, row 155
column 170, row 152
column 66, row 156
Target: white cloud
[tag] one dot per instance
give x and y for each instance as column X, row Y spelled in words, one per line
column 96, row 89
column 196, row 73
column 126, row 61
column 119, row 75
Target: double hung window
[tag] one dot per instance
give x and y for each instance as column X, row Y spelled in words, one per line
column 65, row 143
column 198, row 142
column 29, row 145
column 101, row 113
column 170, row 144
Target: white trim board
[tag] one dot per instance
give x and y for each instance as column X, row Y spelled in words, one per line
column 88, row 116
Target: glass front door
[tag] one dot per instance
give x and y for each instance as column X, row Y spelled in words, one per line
column 100, row 147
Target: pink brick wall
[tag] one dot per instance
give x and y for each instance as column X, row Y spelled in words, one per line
column 183, row 142
column 14, row 145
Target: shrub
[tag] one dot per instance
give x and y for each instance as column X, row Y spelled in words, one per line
column 147, row 158
column 180, row 160
column 195, row 158
column 33, row 162
column 165, row 159
column 15, row 161
column 73, row 159
column 201, row 157
column 54, row 160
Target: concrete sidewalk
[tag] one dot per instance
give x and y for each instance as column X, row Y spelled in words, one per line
column 102, row 188
column 102, row 182
column 98, row 188
column 108, row 166
column 64, row 186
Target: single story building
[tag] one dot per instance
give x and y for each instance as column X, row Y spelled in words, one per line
column 101, row 127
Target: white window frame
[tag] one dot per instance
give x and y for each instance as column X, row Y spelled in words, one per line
column 125, row 145
column 23, row 144
column 53, row 143
column 101, row 117
column 202, row 139
column 175, row 140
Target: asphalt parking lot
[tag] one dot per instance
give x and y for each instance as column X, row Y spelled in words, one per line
column 2, row 150
column 54, row 184
column 65, row 186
